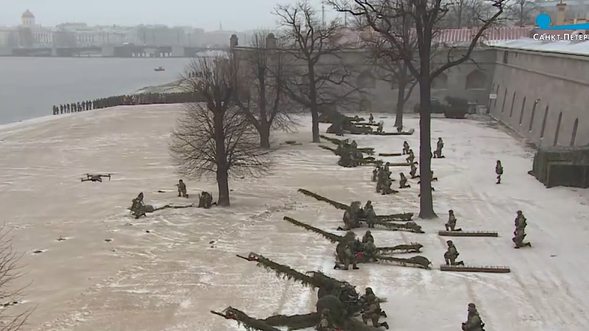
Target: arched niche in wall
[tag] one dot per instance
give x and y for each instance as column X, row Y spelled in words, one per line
column 476, row 80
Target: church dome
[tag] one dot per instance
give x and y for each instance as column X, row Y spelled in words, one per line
column 27, row 14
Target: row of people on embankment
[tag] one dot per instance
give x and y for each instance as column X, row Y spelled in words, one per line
column 122, row 100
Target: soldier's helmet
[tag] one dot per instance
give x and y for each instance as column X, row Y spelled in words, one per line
column 471, row 305
column 368, row 232
column 449, row 242
column 388, row 163
column 351, row 234
column 180, row 181
column 451, row 211
column 325, row 312
column 140, row 195
column 369, row 290
column 519, row 212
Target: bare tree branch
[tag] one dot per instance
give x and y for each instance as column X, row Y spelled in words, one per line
column 319, row 76
column 522, row 12
column 426, row 17
column 263, row 72
column 10, row 272
column 215, row 137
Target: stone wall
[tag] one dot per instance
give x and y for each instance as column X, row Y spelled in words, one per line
column 543, row 96
column 470, row 80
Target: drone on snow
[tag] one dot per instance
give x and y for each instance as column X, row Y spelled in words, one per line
column 94, row 178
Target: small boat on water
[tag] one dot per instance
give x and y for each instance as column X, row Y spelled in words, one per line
column 159, row 69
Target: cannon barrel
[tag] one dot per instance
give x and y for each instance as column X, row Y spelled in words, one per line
column 282, row 270
column 334, row 203
column 242, row 318
column 339, row 205
column 334, row 238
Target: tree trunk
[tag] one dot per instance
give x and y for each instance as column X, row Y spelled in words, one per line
column 400, row 108
column 315, row 120
column 264, row 133
column 426, row 203
column 221, row 156
column 223, row 186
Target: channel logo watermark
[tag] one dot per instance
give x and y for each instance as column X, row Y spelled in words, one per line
column 543, row 21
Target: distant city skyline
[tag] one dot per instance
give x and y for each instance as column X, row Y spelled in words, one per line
column 233, row 15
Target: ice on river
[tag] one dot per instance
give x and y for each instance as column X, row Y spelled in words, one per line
column 170, row 277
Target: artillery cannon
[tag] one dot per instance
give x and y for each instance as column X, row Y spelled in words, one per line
column 380, row 255
column 385, row 218
column 297, row 322
column 335, row 141
column 344, row 291
column 334, row 238
column 339, row 297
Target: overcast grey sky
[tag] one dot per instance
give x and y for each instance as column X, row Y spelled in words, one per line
column 207, row 14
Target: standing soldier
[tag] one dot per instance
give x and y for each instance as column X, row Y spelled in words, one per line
column 405, row 147
column 498, row 171
column 346, row 256
column 438, row 152
column 371, row 119
column 375, row 173
column 370, row 214
column 182, row 189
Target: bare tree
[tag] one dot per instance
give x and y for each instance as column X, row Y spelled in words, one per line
column 319, row 76
column 522, row 12
column 391, row 68
column 426, row 15
column 466, row 13
column 265, row 101
column 214, row 136
column 10, row 293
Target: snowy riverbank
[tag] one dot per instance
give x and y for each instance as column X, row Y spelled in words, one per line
column 169, row 279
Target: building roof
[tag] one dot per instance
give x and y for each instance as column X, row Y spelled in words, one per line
column 492, row 34
column 27, row 14
column 557, row 47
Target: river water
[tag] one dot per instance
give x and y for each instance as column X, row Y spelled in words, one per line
column 30, row 86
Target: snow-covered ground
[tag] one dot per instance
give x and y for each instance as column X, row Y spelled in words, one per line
column 170, row 278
